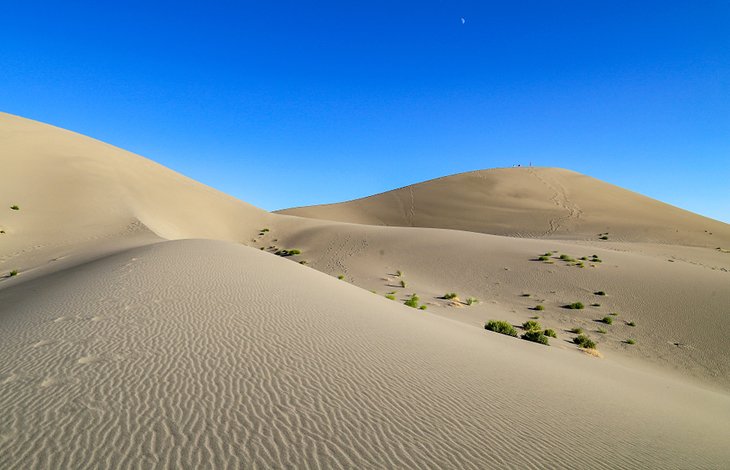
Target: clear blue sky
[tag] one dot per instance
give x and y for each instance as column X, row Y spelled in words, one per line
column 291, row 103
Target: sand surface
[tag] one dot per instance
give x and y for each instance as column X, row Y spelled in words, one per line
column 126, row 343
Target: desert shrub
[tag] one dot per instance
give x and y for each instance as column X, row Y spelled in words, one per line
column 2, row 231
column 403, row 283
column 536, row 337
column 450, row 295
column 12, row 273
column 613, row 314
column 471, row 300
column 607, row 320
column 412, row 301
column 584, row 341
column 595, row 305
column 576, row 306
column 565, row 257
column 630, row 323
column 576, row 330
column 543, row 258
column 303, row 261
column 550, row 332
column 530, row 325
column 341, row 277
column 15, row 208
column 264, row 230
column 630, row 341
column 390, row 296
column 399, row 273
column 600, row 292
column 500, row 326
column 602, row 331
column 539, row 307
column 423, row 307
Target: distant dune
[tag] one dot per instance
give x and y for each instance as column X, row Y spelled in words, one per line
column 149, row 321
column 528, row 202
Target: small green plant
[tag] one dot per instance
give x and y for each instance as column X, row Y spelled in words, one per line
column 403, row 283
column 531, row 325
column 543, row 258
column 412, row 301
column 585, row 342
column 303, row 261
column 566, row 258
column 341, row 277
column 539, row 307
column 607, row 320
column 576, row 330
column 15, row 208
column 576, row 306
column 595, row 305
column 550, row 332
column 471, row 300
column 12, row 273
column 630, row 323
column 613, row 314
column 399, row 273
column 600, row 292
column 450, row 295
column 602, row 331
column 536, row 337
column 423, row 307
column 390, row 296
column 630, row 341
column 535, row 317
column 500, row 326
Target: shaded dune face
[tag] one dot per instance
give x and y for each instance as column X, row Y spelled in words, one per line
column 132, row 361
column 528, row 202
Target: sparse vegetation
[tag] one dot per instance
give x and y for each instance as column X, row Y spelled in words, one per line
column 525, row 295
column 539, row 307
column 550, row 332
column 390, row 296
column 531, row 325
column 576, row 330
column 264, row 230
column 15, row 208
column 602, row 331
column 399, row 273
column 287, row 252
column 500, row 326
column 412, row 301
column 595, row 305
column 607, row 320
column 12, row 273
column 630, row 341
column 450, row 295
column 536, row 337
column 543, row 258
column 471, row 300
column 403, row 283
column 567, row 258
column 603, row 237
column 341, row 277
column 600, row 292
column 613, row 314
column 630, row 323
column 584, row 341
column 423, row 307
column 575, row 306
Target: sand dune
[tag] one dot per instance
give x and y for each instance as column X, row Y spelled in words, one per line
column 208, row 354
column 528, row 202
column 123, row 349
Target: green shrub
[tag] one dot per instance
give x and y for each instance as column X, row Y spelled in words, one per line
column 264, row 230
column 539, row 307
column 413, row 301
column 500, row 326
column 423, row 307
column 543, row 258
column 584, row 342
column 576, row 306
column 600, row 292
column 15, row 208
column 630, row 323
column 613, row 314
column 403, row 283
column 471, row 300
column 536, row 337
column 303, row 261
column 630, row 341
column 390, row 296
column 341, row 277
column 576, row 330
column 566, row 258
column 399, row 273
column 550, row 332
column 530, row 325
column 607, row 320
column 602, row 331
column 12, row 273
column 450, row 295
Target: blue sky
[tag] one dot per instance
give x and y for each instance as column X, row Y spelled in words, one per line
column 293, row 103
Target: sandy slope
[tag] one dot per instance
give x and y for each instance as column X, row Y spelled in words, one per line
column 529, row 202
column 208, row 354
column 225, row 354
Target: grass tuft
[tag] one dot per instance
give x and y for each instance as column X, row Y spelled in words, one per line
column 450, row 295
column 531, row 325
column 550, row 332
column 536, row 337
column 585, row 342
column 607, row 320
column 501, row 327
column 575, row 306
